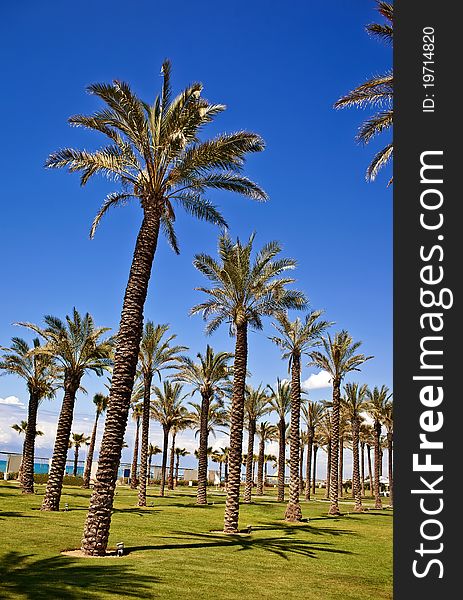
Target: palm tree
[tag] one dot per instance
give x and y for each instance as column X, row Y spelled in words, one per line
column 168, row 410
column 155, row 355
column 39, row 372
column 76, row 347
column 388, row 420
column 157, row 157
column 137, row 414
column 366, row 440
column 377, row 400
column 179, row 453
column 76, row 441
column 316, row 445
column 312, row 413
column 243, row 291
column 280, row 403
column 338, row 360
column 208, row 376
column 255, row 406
column 101, row 402
column 153, row 449
column 20, row 429
column 183, row 422
column 376, row 92
column 297, row 338
column 354, row 403
column 265, row 432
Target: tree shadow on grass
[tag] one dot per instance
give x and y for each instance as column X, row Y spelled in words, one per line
column 295, row 528
column 282, row 547
column 11, row 514
column 64, row 578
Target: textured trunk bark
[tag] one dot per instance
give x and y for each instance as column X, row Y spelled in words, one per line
column 170, row 480
column 390, row 468
column 226, row 472
column 301, row 469
column 150, row 460
column 377, row 427
column 232, row 505
column 165, row 448
column 281, row 459
column 341, row 466
column 293, row 509
column 362, row 468
column 308, row 464
column 220, row 474
column 260, row 469
column 250, row 461
column 76, row 460
column 58, row 462
column 356, row 467
column 328, row 470
column 177, row 464
column 98, row 522
column 370, row 472
column 91, row 450
column 201, row 493
column 133, row 470
column 145, row 432
column 27, row 463
column 334, row 473
column 314, row 476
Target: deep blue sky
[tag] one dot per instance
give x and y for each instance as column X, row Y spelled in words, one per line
column 279, row 68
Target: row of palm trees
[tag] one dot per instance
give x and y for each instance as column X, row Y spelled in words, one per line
column 158, row 160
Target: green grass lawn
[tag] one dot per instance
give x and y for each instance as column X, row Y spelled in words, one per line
column 173, row 554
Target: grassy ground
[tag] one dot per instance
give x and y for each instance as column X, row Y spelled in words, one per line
column 173, row 554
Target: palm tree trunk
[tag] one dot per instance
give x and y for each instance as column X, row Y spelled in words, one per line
column 133, row 470
column 150, row 459
column 91, row 450
column 165, row 447
column 226, row 472
column 341, row 466
column 177, row 464
column 390, row 468
column 356, row 467
column 377, row 427
column 260, row 468
column 220, row 474
column 232, row 505
column 293, row 510
column 314, row 476
column 201, row 493
column 334, row 473
column 281, row 459
column 328, row 469
column 250, row 462
column 170, row 480
column 52, row 495
column 145, row 432
column 98, row 522
column 362, row 468
column 370, row 473
column 76, row 460
column 27, row 463
column 308, row 463
column 301, row 469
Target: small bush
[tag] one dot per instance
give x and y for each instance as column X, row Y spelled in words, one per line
column 67, row 479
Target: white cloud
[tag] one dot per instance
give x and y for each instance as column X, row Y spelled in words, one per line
column 317, row 381
column 12, row 401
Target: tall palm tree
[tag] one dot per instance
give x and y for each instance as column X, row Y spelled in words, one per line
column 101, row 403
column 255, row 406
column 243, row 291
column 208, row 377
column 388, row 420
column 153, row 449
column 155, row 355
column 354, row 402
column 157, row 157
column 280, row 403
column 377, row 400
column 339, row 359
column 76, row 347
column 377, row 93
column 168, row 410
column 39, row 373
column 297, row 338
column 76, row 441
column 183, row 422
column 265, row 432
column 179, row 453
column 137, row 414
column 312, row 413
